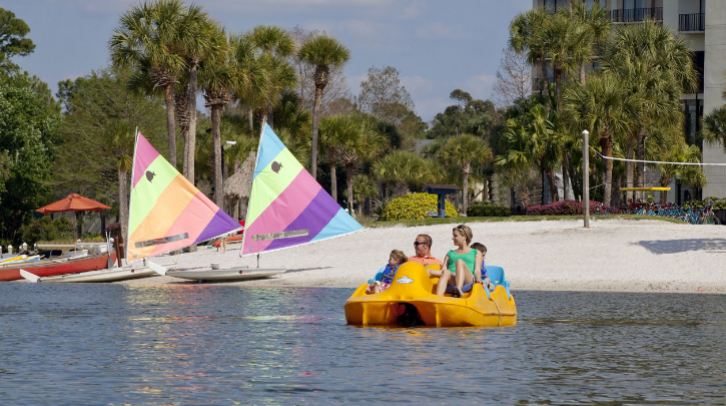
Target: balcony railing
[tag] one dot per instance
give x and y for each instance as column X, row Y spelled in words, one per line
column 690, row 22
column 634, row 15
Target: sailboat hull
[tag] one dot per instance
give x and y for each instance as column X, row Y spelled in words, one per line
column 100, row 276
column 224, row 275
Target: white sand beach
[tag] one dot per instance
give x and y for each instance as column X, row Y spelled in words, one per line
column 613, row 255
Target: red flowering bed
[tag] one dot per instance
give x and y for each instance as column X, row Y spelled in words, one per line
column 566, row 207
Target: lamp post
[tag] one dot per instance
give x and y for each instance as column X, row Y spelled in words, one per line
column 586, row 177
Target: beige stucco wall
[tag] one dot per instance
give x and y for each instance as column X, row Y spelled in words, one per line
column 714, row 86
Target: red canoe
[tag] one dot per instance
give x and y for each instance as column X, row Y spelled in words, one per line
column 52, row 267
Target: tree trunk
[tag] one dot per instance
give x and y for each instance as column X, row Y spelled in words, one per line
column 123, row 201
column 314, row 146
column 190, row 147
column 640, row 171
column 217, row 148
column 566, row 192
column 349, row 187
column 543, row 197
column 170, row 122
column 553, row 185
column 664, row 181
column 606, row 144
column 334, row 182
column 251, row 119
column 465, row 188
column 629, row 175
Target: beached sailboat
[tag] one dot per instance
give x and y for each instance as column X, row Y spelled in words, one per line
column 287, row 208
column 166, row 213
column 70, row 264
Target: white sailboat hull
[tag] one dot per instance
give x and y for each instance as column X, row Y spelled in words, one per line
column 100, row 276
column 235, row 274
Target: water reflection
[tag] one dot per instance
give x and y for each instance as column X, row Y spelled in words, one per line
column 205, row 344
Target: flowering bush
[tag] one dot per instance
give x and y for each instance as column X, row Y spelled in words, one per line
column 415, row 206
column 567, row 207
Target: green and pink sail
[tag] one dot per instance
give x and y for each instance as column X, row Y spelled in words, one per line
column 166, row 212
column 287, row 206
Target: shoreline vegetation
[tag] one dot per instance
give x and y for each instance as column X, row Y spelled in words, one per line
column 617, row 254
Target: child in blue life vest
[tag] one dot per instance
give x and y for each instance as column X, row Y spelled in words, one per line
column 385, row 275
column 484, row 277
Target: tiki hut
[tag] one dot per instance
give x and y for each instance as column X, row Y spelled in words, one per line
column 237, row 188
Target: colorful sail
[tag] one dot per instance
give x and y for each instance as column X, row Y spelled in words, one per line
column 287, row 206
column 166, row 211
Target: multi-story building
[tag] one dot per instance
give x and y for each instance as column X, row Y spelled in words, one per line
column 702, row 25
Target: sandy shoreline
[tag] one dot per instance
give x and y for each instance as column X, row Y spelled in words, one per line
column 613, row 255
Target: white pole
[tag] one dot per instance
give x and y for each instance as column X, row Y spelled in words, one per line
column 586, row 177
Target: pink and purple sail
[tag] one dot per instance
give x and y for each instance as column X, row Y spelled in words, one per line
column 287, row 206
column 166, row 212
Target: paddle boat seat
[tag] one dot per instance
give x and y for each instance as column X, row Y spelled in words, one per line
column 496, row 276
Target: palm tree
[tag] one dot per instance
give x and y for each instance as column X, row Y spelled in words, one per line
column 403, row 170
column 323, row 52
column 219, row 77
column 349, row 142
column 460, row 153
column 525, row 37
column 656, row 68
column 146, row 42
column 602, row 106
column 270, row 48
column 196, row 41
column 669, row 145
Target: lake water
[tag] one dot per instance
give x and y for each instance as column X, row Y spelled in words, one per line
column 206, row 344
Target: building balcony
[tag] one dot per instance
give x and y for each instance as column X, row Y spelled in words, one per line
column 691, row 22
column 636, row 15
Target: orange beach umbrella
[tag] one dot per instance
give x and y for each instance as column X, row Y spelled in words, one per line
column 73, row 202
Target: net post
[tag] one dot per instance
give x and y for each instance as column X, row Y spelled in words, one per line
column 586, row 177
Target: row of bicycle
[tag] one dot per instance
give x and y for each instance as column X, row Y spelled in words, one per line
column 692, row 215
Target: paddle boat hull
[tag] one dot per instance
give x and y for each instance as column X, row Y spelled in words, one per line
column 411, row 300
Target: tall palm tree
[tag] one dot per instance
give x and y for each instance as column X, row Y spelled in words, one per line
column 323, row 52
column 196, row 41
column 525, row 36
column 218, row 77
column 146, row 41
column 270, row 49
column 656, row 68
column 461, row 152
column 602, row 106
column 349, row 141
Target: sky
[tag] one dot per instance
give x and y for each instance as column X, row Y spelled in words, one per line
column 436, row 45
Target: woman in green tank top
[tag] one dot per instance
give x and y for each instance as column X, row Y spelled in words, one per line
column 463, row 263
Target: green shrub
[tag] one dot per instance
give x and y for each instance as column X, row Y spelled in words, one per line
column 415, row 206
column 486, row 209
column 45, row 229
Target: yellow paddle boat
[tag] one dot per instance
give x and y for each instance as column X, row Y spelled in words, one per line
column 411, row 300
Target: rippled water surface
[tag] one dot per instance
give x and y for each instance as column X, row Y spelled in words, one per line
column 204, row 344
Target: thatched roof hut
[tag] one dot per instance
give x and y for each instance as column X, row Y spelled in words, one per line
column 237, row 187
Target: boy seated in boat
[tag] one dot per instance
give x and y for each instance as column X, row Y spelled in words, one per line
column 385, row 275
